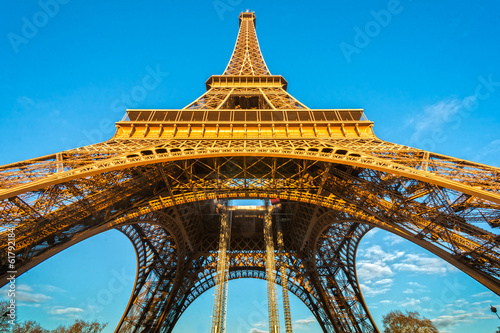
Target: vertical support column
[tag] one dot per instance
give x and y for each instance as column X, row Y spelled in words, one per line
column 220, row 302
column 272, row 299
column 284, row 280
column 60, row 165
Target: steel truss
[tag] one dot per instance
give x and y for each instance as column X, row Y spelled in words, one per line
column 272, row 294
column 220, row 302
column 158, row 178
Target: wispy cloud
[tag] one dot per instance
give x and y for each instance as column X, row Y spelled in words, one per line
column 492, row 149
column 415, row 288
column 371, row 233
column 423, row 265
column 59, row 310
column 368, row 270
column 375, row 252
column 374, row 270
column 51, row 289
column 484, row 294
column 457, row 304
column 411, row 302
column 256, row 330
column 450, row 320
column 26, row 294
column 384, row 282
column 438, row 114
column 393, row 239
column 304, row 322
column 369, row 291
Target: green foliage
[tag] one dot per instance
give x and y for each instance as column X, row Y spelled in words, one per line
column 411, row 322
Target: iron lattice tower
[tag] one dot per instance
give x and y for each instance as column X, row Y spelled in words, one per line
column 157, row 181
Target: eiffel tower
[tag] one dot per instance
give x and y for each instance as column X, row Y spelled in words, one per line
column 168, row 179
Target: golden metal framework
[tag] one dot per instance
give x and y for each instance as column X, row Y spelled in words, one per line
column 283, row 273
column 156, row 181
column 220, row 301
column 272, row 297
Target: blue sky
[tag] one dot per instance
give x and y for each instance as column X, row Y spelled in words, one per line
column 427, row 73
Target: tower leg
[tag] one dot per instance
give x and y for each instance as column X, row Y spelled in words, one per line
column 155, row 277
column 220, row 301
column 336, row 276
column 284, row 280
column 272, row 299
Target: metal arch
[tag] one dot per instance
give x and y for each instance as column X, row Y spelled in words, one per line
column 445, row 240
column 159, row 261
column 336, row 253
column 148, row 256
column 337, row 202
column 348, row 156
column 247, row 137
column 190, row 295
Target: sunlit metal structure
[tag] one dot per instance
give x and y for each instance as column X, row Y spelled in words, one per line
column 220, row 301
column 160, row 178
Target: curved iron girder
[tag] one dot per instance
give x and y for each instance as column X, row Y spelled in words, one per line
column 362, row 192
column 157, row 260
column 470, row 249
column 436, row 219
column 466, row 206
column 193, row 287
column 200, row 276
column 336, row 272
column 471, row 178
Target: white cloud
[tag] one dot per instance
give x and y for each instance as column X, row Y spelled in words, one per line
column 59, row 310
column 24, row 287
column 371, row 233
column 25, row 294
column 491, row 149
column 256, row 330
column 456, row 312
column 423, row 265
column 304, row 322
column 450, row 320
column 435, row 116
column 370, row 292
column 375, row 264
column 488, row 301
column 393, row 239
column 386, row 282
column 484, row 294
column 411, row 302
column 375, row 252
column 30, row 305
column 367, row 270
column 457, row 304
column 51, row 289
column 416, row 288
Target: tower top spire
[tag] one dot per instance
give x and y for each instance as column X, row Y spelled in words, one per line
column 247, row 58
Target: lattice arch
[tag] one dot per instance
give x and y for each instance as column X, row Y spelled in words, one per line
column 158, row 178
